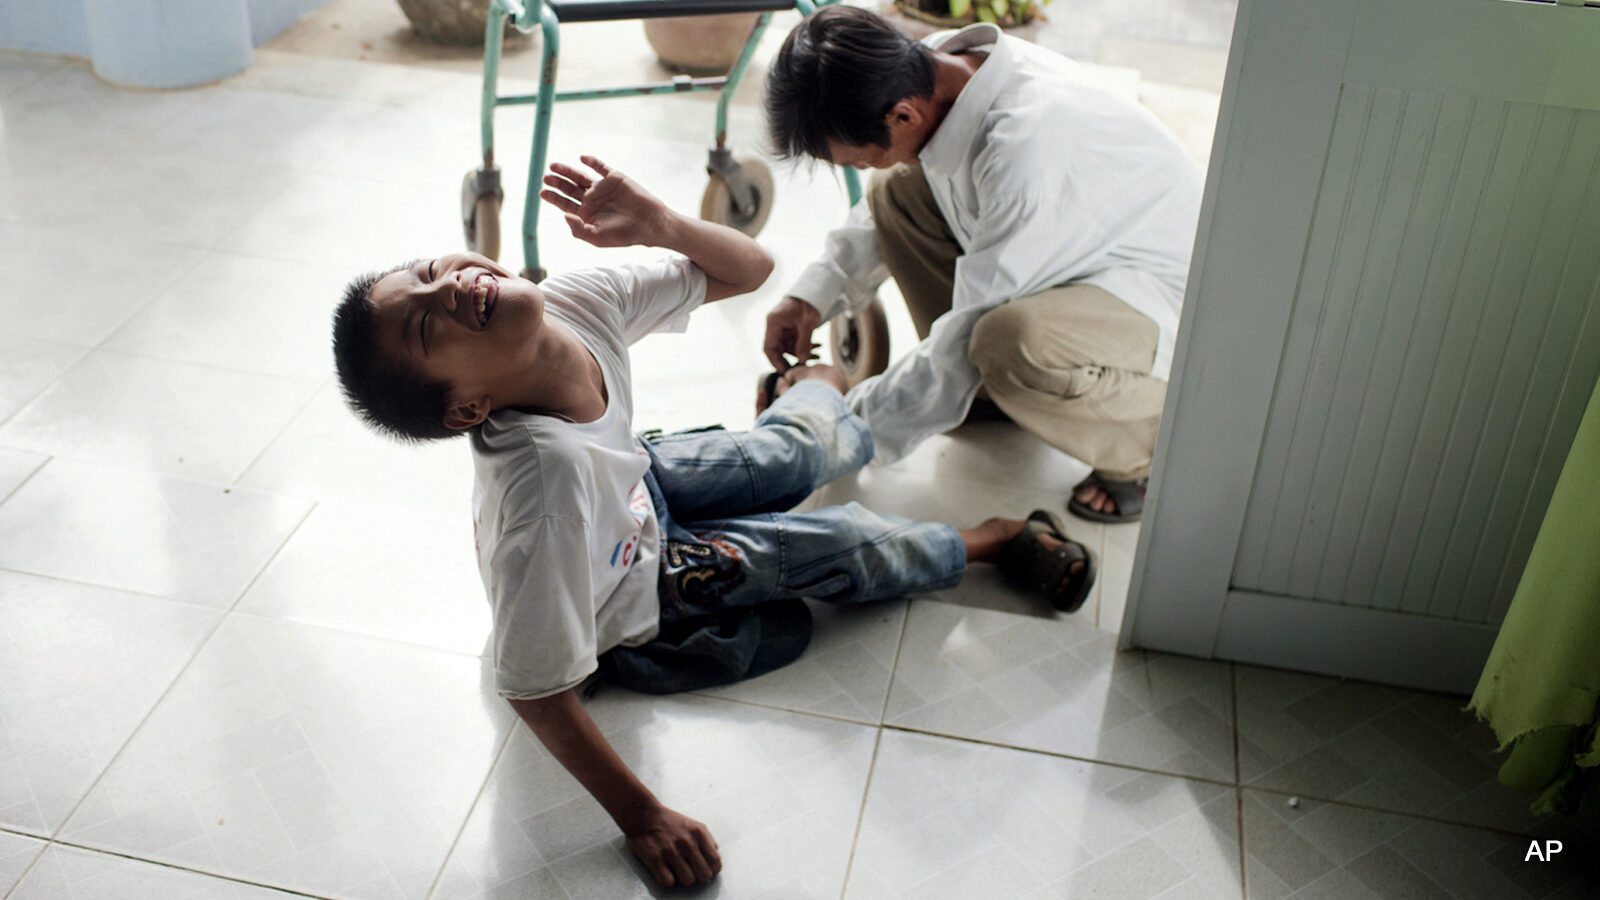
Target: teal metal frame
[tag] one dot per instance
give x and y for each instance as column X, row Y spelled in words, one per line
column 535, row 13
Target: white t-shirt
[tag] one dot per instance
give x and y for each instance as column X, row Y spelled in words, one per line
column 1044, row 180
column 565, row 528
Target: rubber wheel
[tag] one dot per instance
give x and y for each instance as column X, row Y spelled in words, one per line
column 480, row 220
column 859, row 343
column 716, row 205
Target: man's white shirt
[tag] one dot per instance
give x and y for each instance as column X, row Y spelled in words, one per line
column 1044, row 180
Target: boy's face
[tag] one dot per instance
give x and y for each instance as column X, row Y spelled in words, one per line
column 461, row 319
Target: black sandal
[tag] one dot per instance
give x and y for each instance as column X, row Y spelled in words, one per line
column 1127, row 495
column 1046, row 571
column 766, row 388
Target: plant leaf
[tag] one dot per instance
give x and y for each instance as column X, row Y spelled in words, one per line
column 959, row 8
column 985, row 14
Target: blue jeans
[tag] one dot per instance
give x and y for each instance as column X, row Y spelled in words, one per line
column 735, row 562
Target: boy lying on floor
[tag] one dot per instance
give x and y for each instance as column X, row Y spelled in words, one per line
column 662, row 562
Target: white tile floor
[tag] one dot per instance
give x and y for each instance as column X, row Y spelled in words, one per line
column 240, row 637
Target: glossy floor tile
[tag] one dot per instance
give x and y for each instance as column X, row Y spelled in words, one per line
column 1312, row 849
column 845, row 670
column 70, row 873
column 17, row 854
column 150, row 534
column 1061, row 687
column 417, row 582
column 82, row 667
column 15, row 468
column 780, row 792
column 241, row 313
column 326, row 453
column 1388, row 748
column 950, row 819
column 179, row 419
column 303, row 757
column 27, row 366
column 110, row 285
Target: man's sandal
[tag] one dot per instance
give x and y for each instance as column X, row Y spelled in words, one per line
column 1127, row 495
column 1048, row 571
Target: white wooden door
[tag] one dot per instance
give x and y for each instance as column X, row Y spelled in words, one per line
column 1391, row 331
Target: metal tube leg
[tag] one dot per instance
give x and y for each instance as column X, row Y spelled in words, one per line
column 852, row 185
column 493, row 34
column 725, row 96
column 550, row 54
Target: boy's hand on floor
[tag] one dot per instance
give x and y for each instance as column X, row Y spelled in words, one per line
column 676, row 849
column 613, row 211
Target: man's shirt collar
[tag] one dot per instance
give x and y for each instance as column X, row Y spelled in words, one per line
column 948, row 147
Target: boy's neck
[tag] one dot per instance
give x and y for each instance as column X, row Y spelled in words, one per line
column 564, row 380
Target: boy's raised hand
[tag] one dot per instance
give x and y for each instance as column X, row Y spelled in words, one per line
column 613, row 211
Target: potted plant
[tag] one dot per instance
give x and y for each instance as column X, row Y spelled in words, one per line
column 960, row 13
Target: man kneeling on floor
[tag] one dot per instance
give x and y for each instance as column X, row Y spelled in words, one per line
column 1038, row 227
column 659, row 562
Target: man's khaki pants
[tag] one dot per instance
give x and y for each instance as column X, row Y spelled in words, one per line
column 1070, row 364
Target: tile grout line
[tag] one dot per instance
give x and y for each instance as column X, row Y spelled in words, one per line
column 222, row 620
column 1238, row 789
column 511, row 734
column 180, row 868
column 861, row 816
column 1055, row 755
column 54, row 379
column 145, row 720
column 28, row 869
column 288, row 423
column 877, row 743
column 27, row 478
column 1422, row 817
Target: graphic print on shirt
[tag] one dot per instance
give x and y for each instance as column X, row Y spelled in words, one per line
column 639, row 508
column 700, row 573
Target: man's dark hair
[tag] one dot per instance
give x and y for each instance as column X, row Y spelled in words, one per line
column 387, row 394
column 837, row 75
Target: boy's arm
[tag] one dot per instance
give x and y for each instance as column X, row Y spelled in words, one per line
column 616, row 212
column 675, row 848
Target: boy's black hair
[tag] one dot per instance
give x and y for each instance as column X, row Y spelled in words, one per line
column 837, row 75
column 388, row 395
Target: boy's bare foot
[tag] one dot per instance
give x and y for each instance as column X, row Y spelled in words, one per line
column 794, row 375
column 1062, row 574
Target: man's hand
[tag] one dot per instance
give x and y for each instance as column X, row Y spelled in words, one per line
column 614, row 211
column 676, row 849
column 830, row 374
column 789, row 328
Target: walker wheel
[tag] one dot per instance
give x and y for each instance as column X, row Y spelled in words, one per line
column 716, row 205
column 480, row 219
column 859, row 343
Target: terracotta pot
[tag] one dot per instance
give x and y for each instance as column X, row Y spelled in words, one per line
column 455, row 22
column 699, row 45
